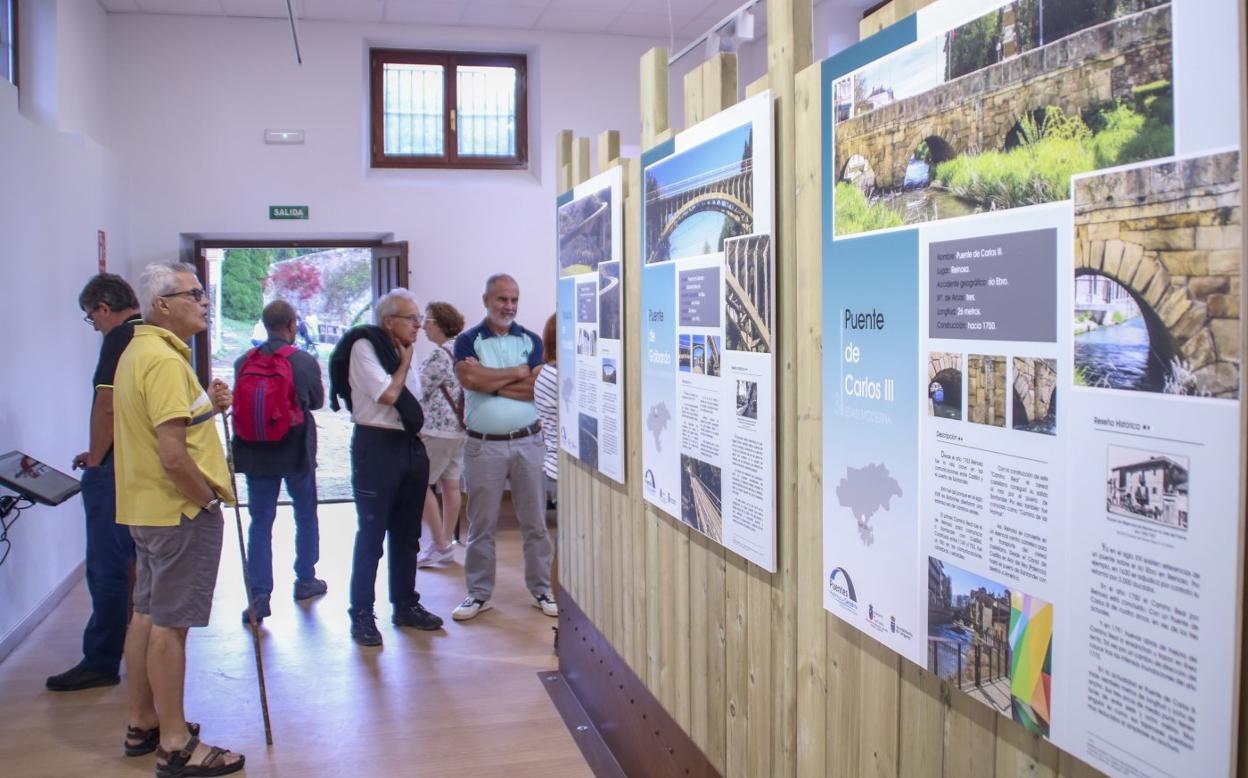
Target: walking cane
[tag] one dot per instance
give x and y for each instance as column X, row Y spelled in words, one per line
column 251, row 607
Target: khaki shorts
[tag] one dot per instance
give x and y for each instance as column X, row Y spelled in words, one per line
column 446, row 458
column 176, row 570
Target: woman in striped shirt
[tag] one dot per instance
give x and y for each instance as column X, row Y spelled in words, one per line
column 546, row 397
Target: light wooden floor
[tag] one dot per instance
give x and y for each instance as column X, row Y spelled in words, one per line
column 462, row 702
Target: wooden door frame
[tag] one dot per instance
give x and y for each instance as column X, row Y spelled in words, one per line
column 202, row 354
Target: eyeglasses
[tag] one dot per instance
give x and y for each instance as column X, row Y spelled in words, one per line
column 195, row 294
column 91, row 313
column 414, row 318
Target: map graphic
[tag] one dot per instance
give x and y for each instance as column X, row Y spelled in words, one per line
column 865, row 490
column 656, row 422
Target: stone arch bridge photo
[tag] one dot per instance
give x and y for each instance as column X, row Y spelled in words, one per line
column 877, row 138
column 1169, row 236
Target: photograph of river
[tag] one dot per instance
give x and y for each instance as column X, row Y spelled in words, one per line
column 992, row 642
column 1157, row 265
column 1002, row 111
column 944, row 385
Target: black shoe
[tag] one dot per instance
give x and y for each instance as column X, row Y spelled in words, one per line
column 261, row 604
column 364, row 627
column 313, row 587
column 81, row 677
column 415, row 615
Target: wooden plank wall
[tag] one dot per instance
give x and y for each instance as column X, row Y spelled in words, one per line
column 765, row 682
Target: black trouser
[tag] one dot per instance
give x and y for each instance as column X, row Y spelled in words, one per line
column 389, row 476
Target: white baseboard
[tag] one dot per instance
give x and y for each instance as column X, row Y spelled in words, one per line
column 41, row 611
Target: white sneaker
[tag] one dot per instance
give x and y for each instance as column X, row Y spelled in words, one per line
column 547, row 604
column 469, row 608
column 432, row 556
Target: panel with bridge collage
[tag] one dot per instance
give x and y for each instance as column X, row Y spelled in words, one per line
column 1032, row 412
column 708, row 326
column 590, row 320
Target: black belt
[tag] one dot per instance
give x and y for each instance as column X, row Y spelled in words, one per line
column 524, row 432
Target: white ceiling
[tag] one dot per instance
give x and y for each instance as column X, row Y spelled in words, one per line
column 649, row 18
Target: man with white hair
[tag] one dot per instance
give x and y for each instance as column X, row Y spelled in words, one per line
column 371, row 370
column 172, row 480
column 495, row 361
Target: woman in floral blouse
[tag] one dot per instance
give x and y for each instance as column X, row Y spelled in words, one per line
column 442, row 399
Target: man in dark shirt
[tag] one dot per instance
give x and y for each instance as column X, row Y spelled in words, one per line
column 292, row 458
column 112, row 309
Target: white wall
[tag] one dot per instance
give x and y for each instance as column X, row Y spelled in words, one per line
column 191, row 96
column 56, row 190
column 834, row 26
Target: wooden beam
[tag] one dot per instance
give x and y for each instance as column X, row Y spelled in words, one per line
column 719, row 83
column 580, row 161
column 693, row 96
column 563, row 156
column 812, row 684
column 608, row 148
column 756, row 86
column 654, row 104
column 788, row 52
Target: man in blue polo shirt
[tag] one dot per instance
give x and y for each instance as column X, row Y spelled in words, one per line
column 495, row 361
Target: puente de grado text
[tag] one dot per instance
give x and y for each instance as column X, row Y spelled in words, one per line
column 728, row 190
column 978, row 111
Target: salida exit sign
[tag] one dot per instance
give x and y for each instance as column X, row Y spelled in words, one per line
column 288, row 211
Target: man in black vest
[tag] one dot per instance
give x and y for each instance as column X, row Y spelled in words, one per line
column 293, row 458
column 112, row 309
column 371, row 370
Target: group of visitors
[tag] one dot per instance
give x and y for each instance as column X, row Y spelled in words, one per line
column 155, row 477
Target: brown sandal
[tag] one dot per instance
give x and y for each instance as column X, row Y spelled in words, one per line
column 174, row 765
column 145, row 741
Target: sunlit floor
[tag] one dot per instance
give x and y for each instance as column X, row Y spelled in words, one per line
column 465, row 701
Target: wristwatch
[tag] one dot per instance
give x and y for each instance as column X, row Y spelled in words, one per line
column 214, row 505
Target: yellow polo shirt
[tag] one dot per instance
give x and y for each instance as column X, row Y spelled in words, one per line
column 154, row 384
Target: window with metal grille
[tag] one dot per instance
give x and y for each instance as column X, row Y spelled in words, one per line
column 448, row 109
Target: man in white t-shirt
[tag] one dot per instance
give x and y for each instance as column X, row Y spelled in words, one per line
column 371, row 370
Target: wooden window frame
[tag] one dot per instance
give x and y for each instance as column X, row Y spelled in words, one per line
column 450, row 158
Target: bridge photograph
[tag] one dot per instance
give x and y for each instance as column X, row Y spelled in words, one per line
column 985, row 390
column 1002, row 111
column 1035, row 395
column 609, row 290
column 701, row 497
column 698, row 198
column 585, row 233
column 944, row 385
column 748, row 296
column 1157, row 278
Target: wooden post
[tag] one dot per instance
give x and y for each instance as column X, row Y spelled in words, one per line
column 653, row 95
column 773, row 599
column 719, row 83
column 608, row 148
column 693, row 96
column 580, row 161
column 563, row 156
column 812, row 685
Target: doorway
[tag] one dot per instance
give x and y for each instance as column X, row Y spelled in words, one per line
column 332, row 286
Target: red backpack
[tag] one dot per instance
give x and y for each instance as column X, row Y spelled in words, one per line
column 265, row 407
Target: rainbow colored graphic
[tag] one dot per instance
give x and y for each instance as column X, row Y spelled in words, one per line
column 1031, row 663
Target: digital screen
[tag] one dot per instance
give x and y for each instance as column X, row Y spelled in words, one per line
column 28, row 476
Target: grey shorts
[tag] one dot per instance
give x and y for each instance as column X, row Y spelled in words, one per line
column 176, row 570
column 446, row 458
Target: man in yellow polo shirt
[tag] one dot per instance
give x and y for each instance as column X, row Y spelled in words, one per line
column 172, row 480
